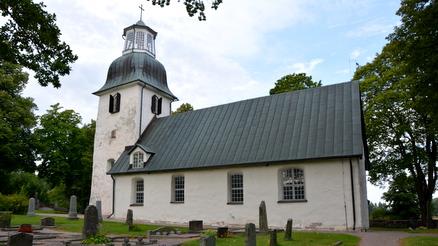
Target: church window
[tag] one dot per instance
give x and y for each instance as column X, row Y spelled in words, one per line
column 139, row 191
column 292, row 184
column 137, row 159
column 114, row 103
column 156, row 105
column 109, row 164
column 113, row 133
column 150, row 43
column 129, row 40
column 235, row 188
column 178, row 189
column 140, row 40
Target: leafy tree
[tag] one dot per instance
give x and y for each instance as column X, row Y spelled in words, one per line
column 65, row 150
column 294, row 82
column 400, row 95
column 401, row 197
column 193, row 7
column 185, row 107
column 16, row 121
column 30, row 38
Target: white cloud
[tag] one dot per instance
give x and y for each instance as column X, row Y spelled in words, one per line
column 355, row 54
column 306, row 67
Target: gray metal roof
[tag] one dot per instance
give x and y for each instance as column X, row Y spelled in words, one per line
column 137, row 66
column 316, row 123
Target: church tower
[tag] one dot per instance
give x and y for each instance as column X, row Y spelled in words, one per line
column 134, row 93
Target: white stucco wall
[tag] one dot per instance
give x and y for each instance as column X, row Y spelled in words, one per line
column 327, row 190
column 126, row 124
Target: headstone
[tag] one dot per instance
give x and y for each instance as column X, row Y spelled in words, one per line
column 20, row 239
column 48, row 221
column 91, row 222
column 129, row 219
column 72, row 212
column 250, row 235
column 222, row 232
column 26, row 228
column 273, row 238
column 263, row 217
column 5, row 219
column 31, row 207
column 207, row 241
column 195, row 226
column 288, row 232
column 99, row 210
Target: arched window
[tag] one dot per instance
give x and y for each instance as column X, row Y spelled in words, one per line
column 156, row 105
column 138, row 159
column 109, row 164
column 291, row 184
column 114, row 103
column 138, row 191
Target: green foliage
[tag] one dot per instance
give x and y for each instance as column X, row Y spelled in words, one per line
column 420, row 241
column 294, row 82
column 378, row 211
column 97, row 239
column 193, row 7
column 29, row 185
column 209, row 233
column 16, row 121
column 16, row 203
column 185, row 107
column 57, row 196
column 400, row 95
column 34, row 42
column 401, row 198
column 435, row 207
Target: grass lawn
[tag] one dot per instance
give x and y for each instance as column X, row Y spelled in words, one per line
column 64, row 224
column 418, row 230
column 299, row 238
column 420, row 241
column 49, row 212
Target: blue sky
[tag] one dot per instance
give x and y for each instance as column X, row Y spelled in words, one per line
column 238, row 53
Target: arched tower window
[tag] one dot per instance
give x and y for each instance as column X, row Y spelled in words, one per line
column 114, row 103
column 156, row 105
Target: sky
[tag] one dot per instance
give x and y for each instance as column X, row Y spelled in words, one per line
column 238, row 53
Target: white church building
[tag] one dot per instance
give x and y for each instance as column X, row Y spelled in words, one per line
column 304, row 152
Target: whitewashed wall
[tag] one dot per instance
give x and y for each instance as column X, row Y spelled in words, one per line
column 126, row 123
column 327, row 190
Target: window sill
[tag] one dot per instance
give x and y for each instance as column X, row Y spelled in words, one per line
column 136, row 205
column 176, row 202
column 234, row 203
column 291, row 201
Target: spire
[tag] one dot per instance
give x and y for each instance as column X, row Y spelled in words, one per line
column 141, row 12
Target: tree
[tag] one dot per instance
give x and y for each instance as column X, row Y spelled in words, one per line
column 30, row 38
column 293, row 82
column 185, row 107
column 193, row 7
column 401, row 197
column 16, row 121
column 399, row 89
column 65, row 150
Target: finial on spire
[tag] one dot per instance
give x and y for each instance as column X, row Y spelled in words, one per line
column 141, row 11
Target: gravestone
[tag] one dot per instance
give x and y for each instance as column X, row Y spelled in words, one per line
column 288, row 232
column 72, row 211
column 5, row 219
column 273, row 238
column 222, row 231
column 207, row 241
column 129, row 219
column 99, row 210
column 263, row 217
column 31, row 207
column 20, row 239
column 48, row 221
column 250, row 235
column 91, row 222
column 195, row 226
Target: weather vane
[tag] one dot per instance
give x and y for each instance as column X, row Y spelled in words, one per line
column 141, row 11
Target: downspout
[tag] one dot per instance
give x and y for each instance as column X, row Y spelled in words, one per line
column 352, row 196
column 114, row 197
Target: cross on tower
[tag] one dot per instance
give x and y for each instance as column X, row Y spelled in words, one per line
column 141, row 11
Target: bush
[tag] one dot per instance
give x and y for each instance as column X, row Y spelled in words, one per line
column 57, row 196
column 16, row 203
column 98, row 239
column 29, row 185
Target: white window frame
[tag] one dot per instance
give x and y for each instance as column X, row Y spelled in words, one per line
column 292, row 185
column 177, row 187
column 233, row 198
column 138, row 159
column 137, row 192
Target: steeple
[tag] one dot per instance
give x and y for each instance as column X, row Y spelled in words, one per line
column 139, row 37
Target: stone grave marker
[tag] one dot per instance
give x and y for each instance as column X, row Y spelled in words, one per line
column 129, row 219
column 222, row 231
column 31, row 207
column 20, row 239
column 288, row 232
column 195, row 226
column 72, row 211
column 263, row 217
column 5, row 219
column 47, row 221
column 250, row 235
column 91, row 222
column 208, row 241
column 273, row 238
column 99, row 210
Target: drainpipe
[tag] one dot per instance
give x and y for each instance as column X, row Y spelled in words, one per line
column 114, row 193
column 352, row 195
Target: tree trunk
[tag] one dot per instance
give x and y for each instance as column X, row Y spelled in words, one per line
column 426, row 209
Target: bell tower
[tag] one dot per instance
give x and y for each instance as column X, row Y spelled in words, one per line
column 134, row 93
